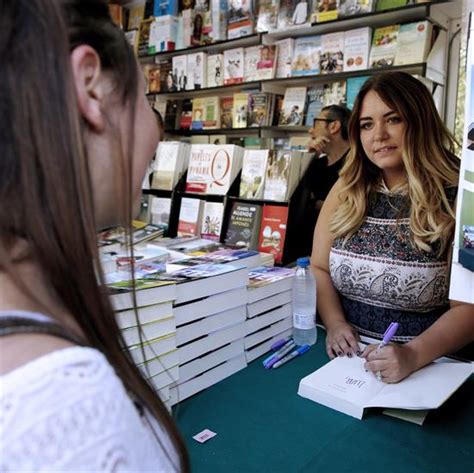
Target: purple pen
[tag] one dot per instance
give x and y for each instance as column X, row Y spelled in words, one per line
column 388, row 335
column 279, row 343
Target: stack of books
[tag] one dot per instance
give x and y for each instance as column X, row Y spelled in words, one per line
column 269, row 311
column 210, row 311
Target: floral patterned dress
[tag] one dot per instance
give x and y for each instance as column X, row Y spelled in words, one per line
column 382, row 277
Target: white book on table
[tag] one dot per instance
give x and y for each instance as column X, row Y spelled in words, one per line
column 165, row 378
column 265, row 346
column 344, row 385
column 268, row 332
column 268, row 303
column 268, row 318
column 146, row 315
column 153, row 348
column 149, row 332
column 159, row 364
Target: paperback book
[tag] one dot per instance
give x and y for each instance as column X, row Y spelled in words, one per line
column 356, row 49
column 190, row 216
column 215, row 70
column 213, row 216
column 325, row 10
column 240, row 18
column 314, row 105
column 267, row 15
column 180, row 79
column 160, row 210
column 282, row 175
column 355, row 7
column 332, row 53
column 254, row 170
column 306, row 58
column 233, row 66
column 266, row 64
column 285, row 49
column 244, row 224
column 384, row 46
column 252, row 56
column 293, row 106
column 240, row 111
column 227, row 107
column 259, row 109
column 413, row 43
column 273, row 230
column 196, row 68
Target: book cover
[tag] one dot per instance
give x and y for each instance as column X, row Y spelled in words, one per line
column 136, row 14
column 251, row 58
column 186, row 114
column 152, row 77
column 334, row 93
column 389, row 4
column 413, row 42
column 254, row 170
column 332, row 53
column 163, row 34
column 314, row 105
column 266, row 64
column 165, row 7
column 166, row 76
column 212, row 113
column 160, row 210
column 197, row 122
column 293, row 13
column 219, row 19
column 306, row 58
column 213, row 168
column 344, row 385
column 240, row 18
column 273, row 230
column 196, row 71
column 215, row 71
column 180, row 72
column 356, row 49
column 327, row 10
column 354, row 84
column 171, row 114
column 384, row 45
column 233, row 66
column 227, row 107
column 267, row 15
column 144, row 36
column 213, row 215
column 244, row 224
column 293, row 106
column 355, row 7
column 166, row 166
column 285, row 49
column 190, row 215
column 282, row 175
column 258, row 112
column 239, row 114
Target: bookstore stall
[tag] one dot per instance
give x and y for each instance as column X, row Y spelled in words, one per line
column 238, row 84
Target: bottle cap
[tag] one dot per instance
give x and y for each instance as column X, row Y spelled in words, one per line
column 303, row 262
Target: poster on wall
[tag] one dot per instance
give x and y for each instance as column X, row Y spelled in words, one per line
column 462, row 270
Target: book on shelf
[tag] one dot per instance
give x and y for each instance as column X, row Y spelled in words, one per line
column 251, row 57
column 171, row 114
column 240, row 18
column 219, row 19
column 212, row 113
column 212, row 169
column 266, row 64
column 227, row 107
column 314, row 104
column 163, row 34
column 389, row 4
column 170, row 164
column 293, row 106
column 285, row 49
column 218, row 139
column 334, row 93
column 273, row 230
column 357, row 48
column 144, row 36
column 166, row 75
column 413, row 42
column 254, row 169
column 332, row 53
column 260, row 109
column 282, row 175
column 136, row 14
column 233, row 66
column 325, row 10
column 197, row 122
column 180, row 79
column 244, row 224
column 212, row 218
column 355, row 7
column 196, row 71
column 187, row 28
column 353, row 87
column 267, row 17
column 293, row 13
column 240, row 111
column 266, row 281
column 152, row 74
column 344, row 385
column 215, row 70
column 306, row 57
column 384, row 46
column 185, row 118
column 165, row 7
column 190, row 216
column 160, row 210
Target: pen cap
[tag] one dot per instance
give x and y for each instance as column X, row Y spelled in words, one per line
column 303, row 262
column 391, row 331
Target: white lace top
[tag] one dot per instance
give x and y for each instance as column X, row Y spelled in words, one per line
column 68, row 411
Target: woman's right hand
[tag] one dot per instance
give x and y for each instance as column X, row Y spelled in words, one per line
column 342, row 339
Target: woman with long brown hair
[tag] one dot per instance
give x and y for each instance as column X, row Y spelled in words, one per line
column 76, row 136
column 381, row 244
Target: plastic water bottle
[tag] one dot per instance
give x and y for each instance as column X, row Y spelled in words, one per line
column 304, row 304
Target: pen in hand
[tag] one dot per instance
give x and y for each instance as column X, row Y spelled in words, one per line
column 388, row 335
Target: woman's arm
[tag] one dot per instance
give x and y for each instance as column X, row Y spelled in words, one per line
column 341, row 337
column 452, row 331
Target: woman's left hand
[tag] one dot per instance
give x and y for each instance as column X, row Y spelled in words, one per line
column 391, row 363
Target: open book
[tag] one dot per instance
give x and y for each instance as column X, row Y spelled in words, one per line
column 343, row 385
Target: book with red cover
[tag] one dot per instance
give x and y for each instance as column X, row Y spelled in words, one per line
column 273, row 230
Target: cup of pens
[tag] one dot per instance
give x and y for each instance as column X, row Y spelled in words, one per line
column 283, row 351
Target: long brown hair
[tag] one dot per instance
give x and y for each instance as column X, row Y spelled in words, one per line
column 428, row 157
column 45, row 184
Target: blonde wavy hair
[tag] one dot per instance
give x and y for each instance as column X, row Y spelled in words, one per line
column 428, row 155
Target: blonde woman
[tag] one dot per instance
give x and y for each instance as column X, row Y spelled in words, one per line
column 381, row 244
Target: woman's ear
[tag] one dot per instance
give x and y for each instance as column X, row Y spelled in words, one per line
column 89, row 85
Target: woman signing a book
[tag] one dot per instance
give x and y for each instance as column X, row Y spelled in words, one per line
column 76, row 136
column 381, row 247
